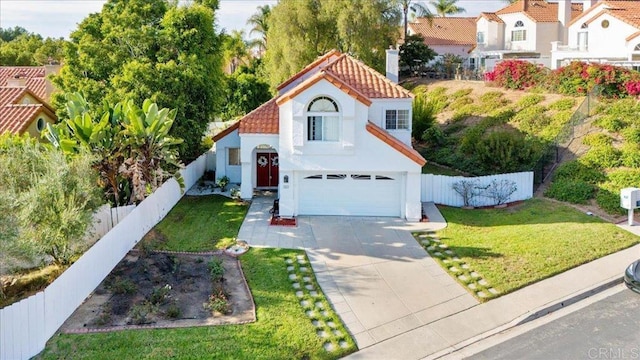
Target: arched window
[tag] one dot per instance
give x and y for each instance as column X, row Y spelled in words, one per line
column 518, row 34
column 323, row 120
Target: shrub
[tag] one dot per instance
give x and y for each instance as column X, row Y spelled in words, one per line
column 597, row 139
column 579, row 78
column 632, row 134
column 139, row 314
column 216, row 269
column 602, row 157
column 529, row 100
column 491, row 96
column 516, row 74
column 573, row 191
column 433, row 137
column 608, row 197
column 631, row 155
column 532, row 120
column 504, row 151
column 563, row 104
column 609, row 201
column 424, row 116
column 459, row 102
column 160, row 295
column 122, row 286
column 575, row 170
column 218, row 302
column 461, row 93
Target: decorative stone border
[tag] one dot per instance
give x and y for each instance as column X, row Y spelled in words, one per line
column 329, row 327
column 456, row 267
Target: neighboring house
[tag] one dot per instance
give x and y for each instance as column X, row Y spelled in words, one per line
column 524, row 29
column 336, row 140
column 22, row 111
column 24, row 91
column 447, row 35
column 608, row 32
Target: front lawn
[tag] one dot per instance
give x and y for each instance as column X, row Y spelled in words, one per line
column 520, row 245
column 199, row 223
column 282, row 330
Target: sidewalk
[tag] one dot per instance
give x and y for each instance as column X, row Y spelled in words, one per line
column 456, row 331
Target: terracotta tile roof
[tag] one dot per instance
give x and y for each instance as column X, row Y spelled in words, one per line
column 539, row 10
column 326, row 57
column 491, row 16
column 446, row 30
column 226, row 131
column 263, row 120
column 395, row 143
column 16, row 117
column 365, row 80
column 625, row 10
column 34, row 75
column 330, row 77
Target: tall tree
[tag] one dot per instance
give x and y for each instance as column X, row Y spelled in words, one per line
column 260, row 24
column 235, row 49
column 446, row 7
column 26, row 49
column 150, row 49
column 301, row 30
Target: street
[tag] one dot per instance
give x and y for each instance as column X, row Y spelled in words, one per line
column 607, row 329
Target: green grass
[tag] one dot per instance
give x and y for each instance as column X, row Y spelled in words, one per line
column 520, row 245
column 199, row 223
column 282, row 330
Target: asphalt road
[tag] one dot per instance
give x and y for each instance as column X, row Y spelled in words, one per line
column 607, row 329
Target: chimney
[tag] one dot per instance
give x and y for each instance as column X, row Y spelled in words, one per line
column 392, row 64
column 588, row 4
column 17, row 81
column 564, row 12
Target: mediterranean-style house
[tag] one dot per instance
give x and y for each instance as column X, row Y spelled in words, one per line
column 608, row 32
column 335, row 140
column 447, row 35
column 23, row 94
column 524, row 30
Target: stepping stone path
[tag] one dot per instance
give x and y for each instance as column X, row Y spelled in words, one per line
column 475, row 274
column 448, row 252
column 431, row 248
column 481, row 294
column 319, row 310
column 437, row 253
column 493, row 291
column 483, row 282
column 446, row 261
column 454, row 269
column 472, row 286
column 465, row 266
column 443, row 246
column 426, row 242
column 463, row 278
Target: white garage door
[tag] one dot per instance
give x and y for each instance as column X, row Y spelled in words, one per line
column 349, row 194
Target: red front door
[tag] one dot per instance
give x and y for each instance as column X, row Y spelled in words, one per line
column 267, row 169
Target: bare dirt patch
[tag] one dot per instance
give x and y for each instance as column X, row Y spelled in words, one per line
column 158, row 289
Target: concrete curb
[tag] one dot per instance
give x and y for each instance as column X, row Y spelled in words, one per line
column 530, row 316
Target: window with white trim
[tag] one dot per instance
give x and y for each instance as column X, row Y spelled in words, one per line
column 396, row 119
column 480, row 37
column 234, row 156
column 323, row 120
column 518, row 34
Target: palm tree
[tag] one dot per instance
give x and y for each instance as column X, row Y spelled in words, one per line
column 417, row 8
column 446, row 7
column 260, row 23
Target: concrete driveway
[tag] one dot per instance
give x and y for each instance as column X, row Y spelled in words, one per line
column 380, row 281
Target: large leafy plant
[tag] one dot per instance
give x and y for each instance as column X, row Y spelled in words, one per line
column 135, row 152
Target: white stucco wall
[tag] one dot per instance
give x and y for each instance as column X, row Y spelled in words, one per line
column 232, row 140
column 509, row 21
column 493, row 34
column 460, row 50
column 545, row 34
column 377, row 111
column 250, row 144
column 358, row 151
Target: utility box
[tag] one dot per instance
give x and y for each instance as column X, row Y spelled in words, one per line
column 630, row 198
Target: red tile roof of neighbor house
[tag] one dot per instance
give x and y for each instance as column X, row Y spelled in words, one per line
column 34, row 78
column 390, row 140
column 491, row 16
column 624, row 10
column 539, row 10
column 16, row 117
column 446, row 30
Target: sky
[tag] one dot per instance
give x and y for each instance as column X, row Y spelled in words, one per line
column 58, row 18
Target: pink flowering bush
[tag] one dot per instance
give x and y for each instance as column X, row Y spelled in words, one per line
column 633, row 87
column 579, row 78
column 516, row 74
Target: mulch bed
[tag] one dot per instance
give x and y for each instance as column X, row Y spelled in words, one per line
column 163, row 290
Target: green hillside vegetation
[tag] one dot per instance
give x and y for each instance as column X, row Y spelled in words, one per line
column 481, row 131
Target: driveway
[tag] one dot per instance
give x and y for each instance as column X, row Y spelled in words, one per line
column 380, row 281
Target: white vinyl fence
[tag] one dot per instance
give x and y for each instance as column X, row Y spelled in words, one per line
column 105, row 219
column 26, row 326
column 439, row 188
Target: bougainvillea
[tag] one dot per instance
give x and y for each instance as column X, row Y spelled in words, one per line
column 516, row 74
column 579, row 78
